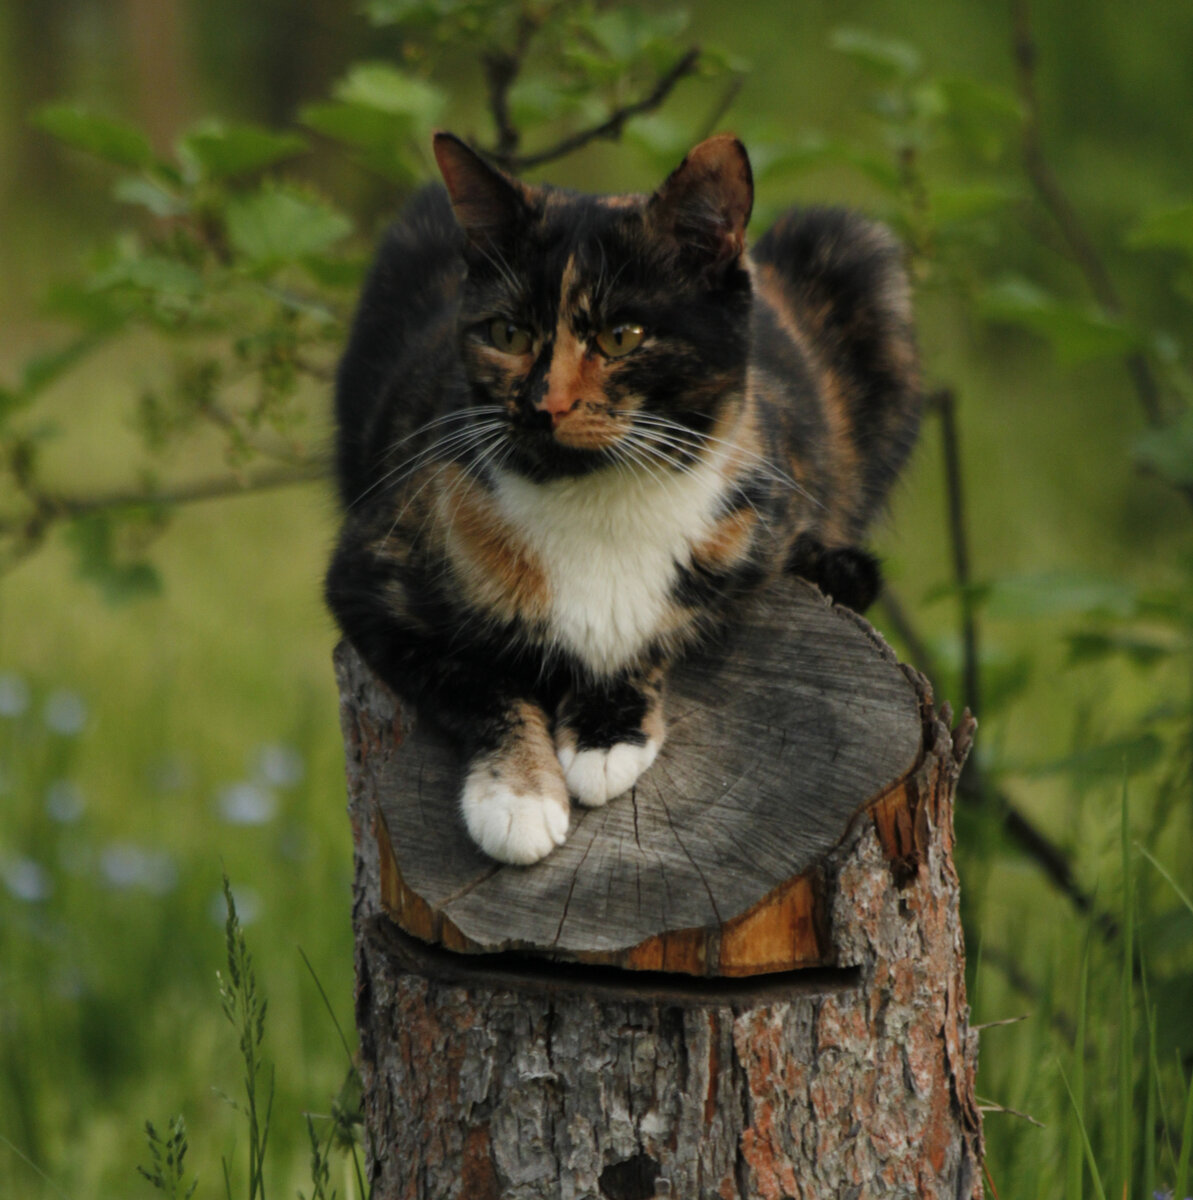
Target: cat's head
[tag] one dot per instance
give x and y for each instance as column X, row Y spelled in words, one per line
column 607, row 329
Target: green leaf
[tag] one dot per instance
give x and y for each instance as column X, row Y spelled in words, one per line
column 218, row 151
column 1059, row 594
column 421, row 12
column 277, row 224
column 383, row 141
column 971, row 201
column 107, row 138
column 814, row 151
column 1168, row 450
column 627, row 33
column 1077, row 334
column 982, row 117
column 882, row 55
column 93, row 538
column 152, row 273
column 1170, row 228
column 535, row 100
column 978, row 100
column 146, row 192
column 42, row 370
column 383, row 87
column 1141, row 649
column 1131, row 754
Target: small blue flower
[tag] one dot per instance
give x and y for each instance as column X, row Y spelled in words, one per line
column 26, row 880
column 14, row 695
column 65, row 712
column 279, row 766
column 64, row 801
column 125, row 866
column 246, row 803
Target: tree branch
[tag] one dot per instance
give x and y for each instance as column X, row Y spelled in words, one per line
column 502, row 68
column 49, row 508
column 944, row 403
column 216, row 488
column 611, row 127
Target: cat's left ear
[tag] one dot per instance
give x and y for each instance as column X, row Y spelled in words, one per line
column 706, row 201
column 486, row 202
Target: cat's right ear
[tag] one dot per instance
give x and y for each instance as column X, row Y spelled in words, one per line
column 486, row 202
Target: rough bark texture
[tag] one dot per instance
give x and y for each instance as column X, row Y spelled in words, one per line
column 514, row 1075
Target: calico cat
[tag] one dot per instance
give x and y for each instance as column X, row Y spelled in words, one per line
column 573, row 430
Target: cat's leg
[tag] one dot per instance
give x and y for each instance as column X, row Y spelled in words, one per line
column 514, row 800
column 607, row 734
column 848, row 575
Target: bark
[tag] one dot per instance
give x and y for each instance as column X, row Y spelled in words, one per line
column 840, row 1064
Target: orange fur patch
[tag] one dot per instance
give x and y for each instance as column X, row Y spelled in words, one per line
column 729, row 542
column 845, row 464
column 499, row 574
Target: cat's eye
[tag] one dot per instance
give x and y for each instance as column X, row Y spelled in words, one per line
column 616, row 341
column 508, row 337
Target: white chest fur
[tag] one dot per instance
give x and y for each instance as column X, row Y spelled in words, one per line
column 611, row 545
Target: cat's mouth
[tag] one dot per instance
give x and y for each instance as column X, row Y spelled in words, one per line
column 592, row 431
column 572, row 444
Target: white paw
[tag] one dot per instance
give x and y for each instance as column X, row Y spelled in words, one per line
column 595, row 776
column 510, row 826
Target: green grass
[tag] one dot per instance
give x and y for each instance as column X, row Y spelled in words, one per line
column 114, row 837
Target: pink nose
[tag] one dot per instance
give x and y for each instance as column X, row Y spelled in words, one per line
column 558, row 404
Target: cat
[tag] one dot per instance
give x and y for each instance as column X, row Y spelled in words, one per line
column 574, row 430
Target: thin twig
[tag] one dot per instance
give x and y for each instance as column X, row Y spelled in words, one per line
column 502, row 68
column 216, row 488
column 713, row 121
column 612, row 126
column 31, row 530
column 944, row 403
column 1056, row 202
column 986, row 1105
column 1001, row 1023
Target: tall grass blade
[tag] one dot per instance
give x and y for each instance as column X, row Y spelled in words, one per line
column 1126, row 1030
column 1181, row 1182
column 327, row 1005
column 1074, row 1153
column 1172, row 883
column 33, row 1167
column 1151, row 1085
column 1095, row 1178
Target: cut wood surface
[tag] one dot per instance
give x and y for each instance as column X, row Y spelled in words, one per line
column 777, row 737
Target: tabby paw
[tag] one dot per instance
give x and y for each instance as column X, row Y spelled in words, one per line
column 511, row 826
column 595, row 776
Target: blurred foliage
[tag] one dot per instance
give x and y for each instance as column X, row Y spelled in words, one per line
column 241, row 255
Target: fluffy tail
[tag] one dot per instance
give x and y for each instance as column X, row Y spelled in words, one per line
column 844, row 279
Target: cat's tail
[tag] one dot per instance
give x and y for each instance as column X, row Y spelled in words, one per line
column 843, row 279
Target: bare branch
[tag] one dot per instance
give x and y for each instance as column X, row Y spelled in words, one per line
column 502, row 68
column 29, row 531
column 944, row 402
column 612, row 126
column 217, row 488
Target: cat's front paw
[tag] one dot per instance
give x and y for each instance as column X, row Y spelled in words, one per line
column 511, row 825
column 596, row 776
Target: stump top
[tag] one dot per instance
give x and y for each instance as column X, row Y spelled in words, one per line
column 776, row 738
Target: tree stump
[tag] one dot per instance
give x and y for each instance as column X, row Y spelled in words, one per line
column 743, row 979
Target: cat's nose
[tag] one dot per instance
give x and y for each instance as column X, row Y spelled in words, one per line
column 557, row 405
